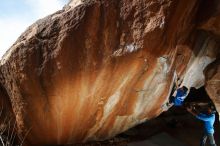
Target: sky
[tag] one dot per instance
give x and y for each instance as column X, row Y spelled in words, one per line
column 17, row 15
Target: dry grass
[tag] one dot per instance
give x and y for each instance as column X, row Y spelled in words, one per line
column 7, row 128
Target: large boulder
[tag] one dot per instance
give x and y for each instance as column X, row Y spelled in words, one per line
column 98, row 67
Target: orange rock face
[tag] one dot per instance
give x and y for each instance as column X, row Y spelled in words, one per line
column 98, row 68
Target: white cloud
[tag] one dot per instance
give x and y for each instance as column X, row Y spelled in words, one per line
column 11, row 27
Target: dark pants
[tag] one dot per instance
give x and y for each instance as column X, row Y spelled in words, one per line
column 211, row 139
column 172, row 98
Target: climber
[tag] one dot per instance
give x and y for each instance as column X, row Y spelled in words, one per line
column 180, row 96
column 209, row 119
column 177, row 99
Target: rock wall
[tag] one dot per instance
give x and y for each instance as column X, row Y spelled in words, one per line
column 203, row 69
column 98, row 68
column 212, row 73
column 206, row 49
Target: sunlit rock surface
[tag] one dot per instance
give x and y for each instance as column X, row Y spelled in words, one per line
column 206, row 49
column 97, row 68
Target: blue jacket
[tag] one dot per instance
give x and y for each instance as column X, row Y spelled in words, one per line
column 180, row 96
column 209, row 121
